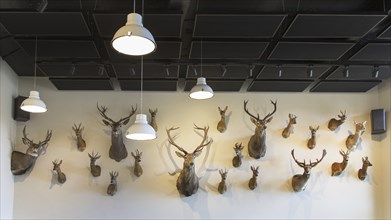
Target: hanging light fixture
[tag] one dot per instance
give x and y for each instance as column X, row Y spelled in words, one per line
column 33, row 103
column 133, row 38
column 201, row 90
column 141, row 130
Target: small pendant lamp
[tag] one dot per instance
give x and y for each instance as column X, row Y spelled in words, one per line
column 141, row 130
column 33, row 103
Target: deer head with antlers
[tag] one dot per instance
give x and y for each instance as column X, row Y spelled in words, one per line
column 187, row 182
column 335, row 123
column 117, row 150
column 299, row 181
column 257, row 143
column 81, row 143
column 22, row 162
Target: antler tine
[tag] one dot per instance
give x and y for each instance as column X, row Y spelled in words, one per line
column 47, row 139
column 25, row 136
column 317, row 160
column 301, row 164
column 171, row 140
column 202, row 145
column 270, row 114
column 246, row 110
column 102, row 110
column 130, row 115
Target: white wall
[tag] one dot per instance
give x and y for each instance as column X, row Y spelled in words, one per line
column 8, row 91
column 154, row 195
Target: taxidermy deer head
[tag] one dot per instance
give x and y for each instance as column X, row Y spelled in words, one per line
column 362, row 173
column 252, row 183
column 222, row 188
column 61, row 178
column 153, row 122
column 81, row 143
column 112, row 188
column 138, row 170
column 221, row 125
column 95, row 169
column 311, row 144
column 289, row 129
column 335, row 123
column 353, row 139
column 237, row 160
column 338, row 168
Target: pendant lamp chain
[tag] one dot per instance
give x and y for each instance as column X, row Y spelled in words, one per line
column 35, row 62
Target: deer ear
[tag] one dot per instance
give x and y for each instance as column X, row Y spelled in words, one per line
column 25, row 141
column 269, row 120
column 106, row 122
column 364, row 122
column 179, row 154
column 126, row 121
column 133, row 155
column 197, row 153
column 253, row 120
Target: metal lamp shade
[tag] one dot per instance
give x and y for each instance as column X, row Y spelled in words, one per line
column 33, row 103
column 201, row 90
column 140, row 130
column 133, row 38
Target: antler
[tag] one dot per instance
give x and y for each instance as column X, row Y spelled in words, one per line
column 270, row 114
column 202, row 145
column 301, row 164
column 246, row 110
column 114, row 174
column 48, row 136
column 171, row 140
column 25, row 139
column 102, row 110
column 94, row 156
column 126, row 119
column 317, row 160
column 77, row 128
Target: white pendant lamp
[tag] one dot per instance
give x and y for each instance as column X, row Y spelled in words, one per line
column 141, row 130
column 33, row 103
column 201, row 90
column 133, row 38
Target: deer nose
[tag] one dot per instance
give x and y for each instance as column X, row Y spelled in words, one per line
column 192, row 164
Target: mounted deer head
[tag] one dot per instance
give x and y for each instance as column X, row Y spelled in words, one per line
column 112, row 188
column 95, row 169
column 61, row 178
column 338, row 168
column 311, row 144
column 362, row 173
column 252, row 183
column 22, row 162
column 187, row 182
column 257, row 143
column 138, row 170
column 335, row 123
column 237, row 160
column 353, row 139
column 299, row 181
column 117, row 150
column 153, row 122
column 222, row 188
column 289, row 128
column 221, row 125
column 81, row 143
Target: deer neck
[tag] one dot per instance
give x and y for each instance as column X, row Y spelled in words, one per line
column 306, row 175
column 188, row 173
column 92, row 163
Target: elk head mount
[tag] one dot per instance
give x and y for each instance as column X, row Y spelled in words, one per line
column 353, row 139
column 335, row 123
column 187, row 182
column 153, row 122
column 117, row 150
column 22, row 162
column 81, row 143
column 289, row 128
column 221, row 125
column 299, row 181
column 257, row 142
column 362, row 173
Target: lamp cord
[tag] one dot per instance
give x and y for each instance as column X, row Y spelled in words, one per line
column 141, row 84
column 134, row 6
column 201, row 57
column 35, row 63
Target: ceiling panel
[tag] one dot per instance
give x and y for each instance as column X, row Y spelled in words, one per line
column 22, row 64
column 151, row 70
column 7, row 46
column 361, row 73
column 60, row 48
column 48, row 23
column 160, row 25
column 344, row 86
column 278, row 86
column 218, row 85
column 220, row 26
column 221, row 71
column 373, row 52
column 309, row 51
column 386, row 34
column 292, row 72
column 148, row 85
column 227, row 50
column 332, row 26
column 73, row 70
column 82, row 84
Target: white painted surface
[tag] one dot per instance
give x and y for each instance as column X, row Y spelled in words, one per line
column 154, row 195
column 8, row 91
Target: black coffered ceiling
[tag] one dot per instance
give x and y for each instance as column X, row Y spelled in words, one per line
column 247, row 45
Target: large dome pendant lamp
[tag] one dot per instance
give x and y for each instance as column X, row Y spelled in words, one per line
column 133, row 38
column 141, row 130
column 33, row 103
column 201, row 90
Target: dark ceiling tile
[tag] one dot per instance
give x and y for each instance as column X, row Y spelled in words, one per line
column 227, row 50
column 60, row 48
column 7, row 46
column 81, row 84
column 245, row 26
column 344, row 86
column 361, row 73
column 217, row 85
column 151, row 70
column 220, row 71
column 332, row 25
column 73, row 70
column 22, row 64
column 309, row 51
column 48, row 23
column 278, row 86
column 160, row 25
column 386, row 34
column 374, row 52
column 292, row 72
column 148, row 85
